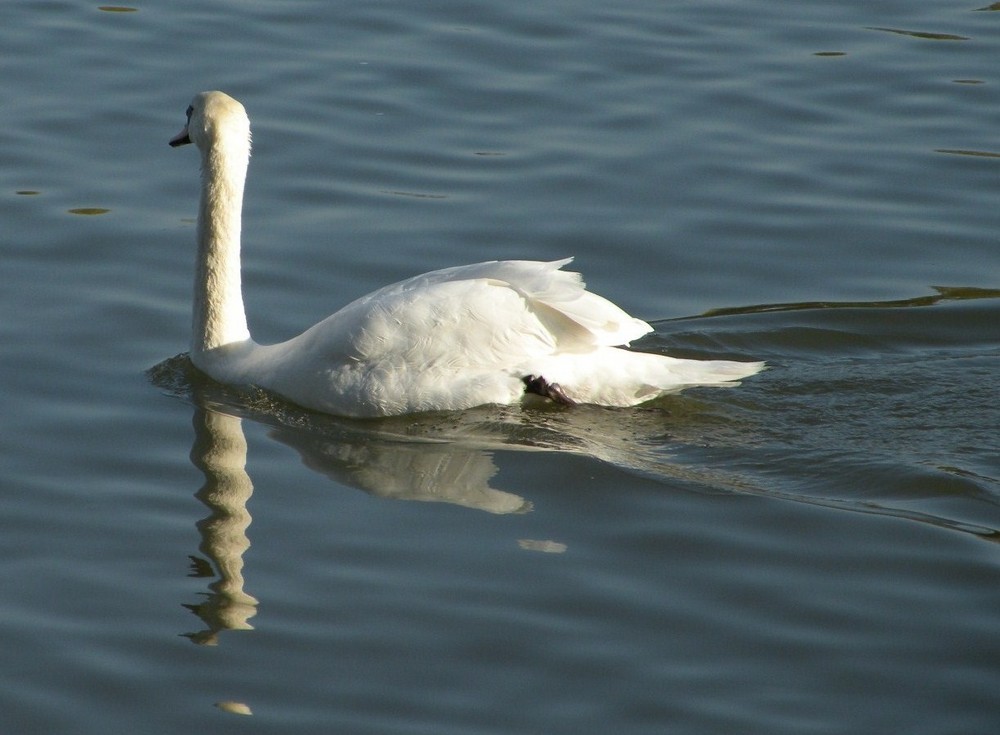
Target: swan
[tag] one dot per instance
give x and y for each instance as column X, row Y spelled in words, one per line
column 451, row 339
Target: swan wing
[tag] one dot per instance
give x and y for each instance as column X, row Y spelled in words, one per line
column 448, row 339
column 557, row 301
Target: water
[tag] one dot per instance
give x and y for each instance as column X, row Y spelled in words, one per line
column 815, row 551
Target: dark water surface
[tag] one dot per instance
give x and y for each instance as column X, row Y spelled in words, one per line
column 814, row 185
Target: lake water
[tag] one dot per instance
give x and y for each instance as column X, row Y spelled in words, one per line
column 812, row 184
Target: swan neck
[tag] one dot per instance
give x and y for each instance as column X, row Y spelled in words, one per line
column 219, row 317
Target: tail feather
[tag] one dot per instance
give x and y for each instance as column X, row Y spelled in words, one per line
column 612, row 376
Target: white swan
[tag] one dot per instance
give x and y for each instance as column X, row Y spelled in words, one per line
column 446, row 340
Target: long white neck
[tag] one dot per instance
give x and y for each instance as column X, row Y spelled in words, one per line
column 219, row 318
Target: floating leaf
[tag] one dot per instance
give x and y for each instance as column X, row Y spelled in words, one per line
column 89, row 210
column 236, row 708
column 547, row 547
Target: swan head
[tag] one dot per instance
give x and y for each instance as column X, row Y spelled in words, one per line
column 214, row 119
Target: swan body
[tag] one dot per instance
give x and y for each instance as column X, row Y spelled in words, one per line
column 450, row 339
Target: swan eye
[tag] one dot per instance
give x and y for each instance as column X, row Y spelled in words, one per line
column 190, row 109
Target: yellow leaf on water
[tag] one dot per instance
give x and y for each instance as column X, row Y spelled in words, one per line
column 236, row 708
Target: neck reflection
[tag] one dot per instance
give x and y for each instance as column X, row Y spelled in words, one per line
column 220, row 452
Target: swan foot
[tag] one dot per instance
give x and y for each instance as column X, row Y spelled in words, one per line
column 540, row 386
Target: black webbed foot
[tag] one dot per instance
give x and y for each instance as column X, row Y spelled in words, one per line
column 553, row 391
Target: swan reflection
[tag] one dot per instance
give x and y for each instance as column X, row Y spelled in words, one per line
column 220, row 452
column 426, row 471
column 391, row 469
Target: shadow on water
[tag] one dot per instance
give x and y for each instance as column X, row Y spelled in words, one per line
column 884, row 408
